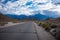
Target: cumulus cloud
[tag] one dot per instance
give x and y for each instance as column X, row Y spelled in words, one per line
column 20, row 7
column 55, row 1
column 16, row 8
column 46, row 6
column 41, row 1
column 56, row 8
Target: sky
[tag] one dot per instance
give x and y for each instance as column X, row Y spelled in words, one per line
column 29, row 7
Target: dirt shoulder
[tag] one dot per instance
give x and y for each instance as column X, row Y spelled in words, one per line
column 10, row 24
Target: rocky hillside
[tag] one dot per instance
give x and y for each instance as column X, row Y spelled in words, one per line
column 4, row 18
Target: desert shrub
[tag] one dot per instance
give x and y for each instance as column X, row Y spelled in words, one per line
column 40, row 24
column 3, row 23
column 45, row 26
column 14, row 21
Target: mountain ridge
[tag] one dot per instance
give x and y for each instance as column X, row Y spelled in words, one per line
column 34, row 17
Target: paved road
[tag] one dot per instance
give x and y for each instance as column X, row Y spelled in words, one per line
column 25, row 31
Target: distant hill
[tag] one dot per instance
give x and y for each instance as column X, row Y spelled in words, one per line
column 54, row 19
column 4, row 18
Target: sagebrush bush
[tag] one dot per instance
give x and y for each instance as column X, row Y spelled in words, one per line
column 40, row 24
column 45, row 26
column 2, row 23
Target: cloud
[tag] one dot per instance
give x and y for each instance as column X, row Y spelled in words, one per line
column 41, row 1
column 45, row 6
column 55, row 1
column 57, row 8
column 29, row 7
column 16, row 8
column 0, row 7
column 53, row 14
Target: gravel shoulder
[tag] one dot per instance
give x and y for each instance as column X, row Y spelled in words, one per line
column 42, row 34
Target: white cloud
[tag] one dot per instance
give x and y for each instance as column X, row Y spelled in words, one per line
column 19, row 7
column 50, row 7
column 55, row 1
column 25, row 11
column 57, row 8
column 15, row 8
column 45, row 6
column 23, row 2
column 41, row 1
column 0, row 7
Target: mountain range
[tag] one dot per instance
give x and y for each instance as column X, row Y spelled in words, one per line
column 30, row 17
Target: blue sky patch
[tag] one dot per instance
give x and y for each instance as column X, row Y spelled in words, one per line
column 29, row 3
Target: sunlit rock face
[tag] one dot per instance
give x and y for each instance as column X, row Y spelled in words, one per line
column 30, row 7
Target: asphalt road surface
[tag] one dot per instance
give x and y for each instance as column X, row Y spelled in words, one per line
column 25, row 31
